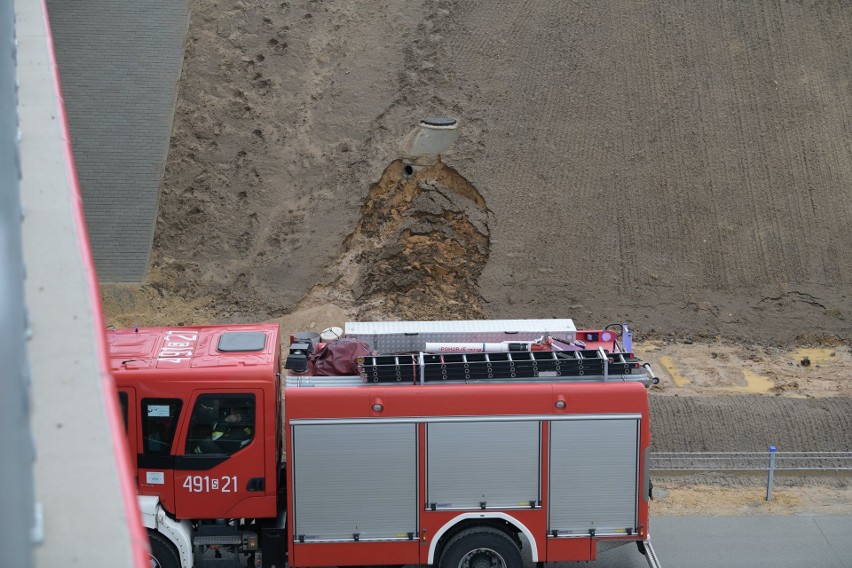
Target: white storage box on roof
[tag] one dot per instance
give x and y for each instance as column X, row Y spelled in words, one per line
column 412, row 336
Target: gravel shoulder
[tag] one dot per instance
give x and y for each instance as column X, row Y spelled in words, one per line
column 727, row 495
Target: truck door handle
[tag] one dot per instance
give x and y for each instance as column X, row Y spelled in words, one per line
column 256, row 484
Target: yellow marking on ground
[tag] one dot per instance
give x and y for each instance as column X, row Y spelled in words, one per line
column 669, row 364
column 755, row 383
column 817, row 355
column 645, row 347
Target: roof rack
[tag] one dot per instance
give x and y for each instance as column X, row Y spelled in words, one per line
column 548, row 366
column 585, row 365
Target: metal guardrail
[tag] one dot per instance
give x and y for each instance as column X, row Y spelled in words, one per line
column 751, row 461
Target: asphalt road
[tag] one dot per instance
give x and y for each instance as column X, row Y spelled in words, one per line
column 748, row 542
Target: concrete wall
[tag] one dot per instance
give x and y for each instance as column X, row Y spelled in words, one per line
column 88, row 515
column 16, row 465
column 119, row 63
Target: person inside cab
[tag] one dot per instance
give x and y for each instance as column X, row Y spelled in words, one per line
column 229, row 434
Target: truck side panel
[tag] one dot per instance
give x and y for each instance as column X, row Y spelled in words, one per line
column 353, row 484
column 475, row 464
column 593, row 475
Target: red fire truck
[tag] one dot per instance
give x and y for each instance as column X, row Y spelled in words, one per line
column 464, row 444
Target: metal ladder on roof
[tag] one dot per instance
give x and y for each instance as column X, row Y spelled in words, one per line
column 591, row 365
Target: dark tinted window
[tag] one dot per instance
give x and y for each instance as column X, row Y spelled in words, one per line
column 159, row 422
column 122, row 402
column 221, row 424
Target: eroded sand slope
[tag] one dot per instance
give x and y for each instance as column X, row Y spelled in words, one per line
column 686, row 166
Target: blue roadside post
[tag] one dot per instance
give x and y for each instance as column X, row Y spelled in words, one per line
column 771, row 479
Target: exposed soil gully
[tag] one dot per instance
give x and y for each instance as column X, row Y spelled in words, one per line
column 417, row 251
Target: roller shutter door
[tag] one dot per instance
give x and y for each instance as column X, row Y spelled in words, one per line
column 593, row 475
column 474, row 462
column 354, row 478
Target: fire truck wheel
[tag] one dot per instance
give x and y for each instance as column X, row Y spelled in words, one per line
column 163, row 553
column 481, row 547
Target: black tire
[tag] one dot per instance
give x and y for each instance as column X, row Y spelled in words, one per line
column 163, row 552
column 481, row 547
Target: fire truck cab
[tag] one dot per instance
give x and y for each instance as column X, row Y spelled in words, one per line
column 201, row 410
column 497, row 440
